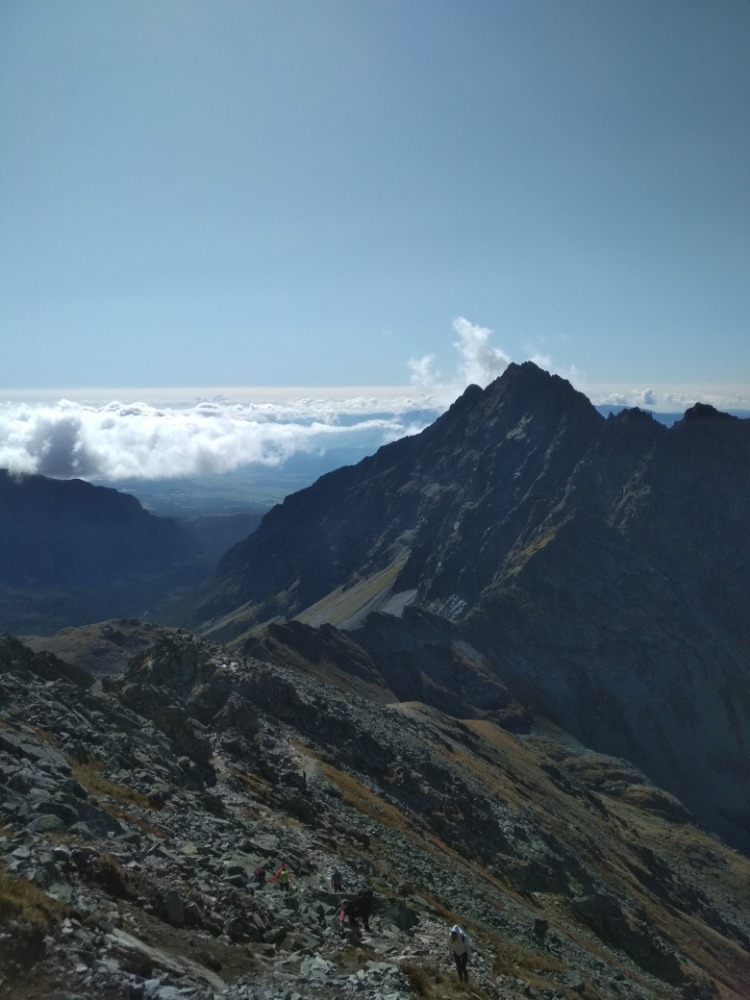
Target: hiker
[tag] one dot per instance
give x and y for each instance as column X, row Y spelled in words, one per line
column 460, row 948
column 363, row 906
column 337, row 880
column 259, row 874
column 284, row 877
column 359, row 906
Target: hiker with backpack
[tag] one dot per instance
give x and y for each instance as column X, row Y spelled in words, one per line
column 359, row 906
column 284, row 877
column 337, row 880
column 460, row 949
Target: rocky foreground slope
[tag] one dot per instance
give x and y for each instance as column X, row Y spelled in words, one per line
column 135, row 807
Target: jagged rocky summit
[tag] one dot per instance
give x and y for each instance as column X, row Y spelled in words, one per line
column 135, row 808
column 524, row 549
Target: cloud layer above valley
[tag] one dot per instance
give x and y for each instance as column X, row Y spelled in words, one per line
column 115, row 440
column 120, row 441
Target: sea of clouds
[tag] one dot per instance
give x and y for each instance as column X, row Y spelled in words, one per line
column 119, row 441
column 114, row 440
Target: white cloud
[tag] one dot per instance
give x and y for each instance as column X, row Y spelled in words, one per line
column 614, row 399
column 423, row 373
column 172, row 438
column 668, row 398
column 543, row 360
column 168, row 437
column 138, row 440
column 480, row 363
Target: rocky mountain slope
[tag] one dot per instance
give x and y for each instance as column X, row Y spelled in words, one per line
column 72, row 534
column 595, row 570
column 135, row 808
column 72, row 553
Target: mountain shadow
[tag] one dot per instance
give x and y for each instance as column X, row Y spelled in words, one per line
column 73, row 553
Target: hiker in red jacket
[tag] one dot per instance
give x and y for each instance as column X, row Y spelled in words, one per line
column 284, row 877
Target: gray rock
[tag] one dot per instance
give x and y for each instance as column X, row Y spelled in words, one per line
column 45, row 823
column 172, row 908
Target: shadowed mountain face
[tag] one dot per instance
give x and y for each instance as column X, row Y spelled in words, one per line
column 73, row 553
column 414, row 519
column 595, row 570
column 73, row 534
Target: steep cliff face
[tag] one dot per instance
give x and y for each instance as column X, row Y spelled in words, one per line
column 437, row 519
column 417, row 512
column 625, row 615
column 598, row 570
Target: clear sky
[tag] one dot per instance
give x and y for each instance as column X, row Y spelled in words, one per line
column 311, row 192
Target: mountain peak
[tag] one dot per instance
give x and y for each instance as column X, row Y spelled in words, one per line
column 526, row 383
column 704, row 411
column 528, row 380
column 567, row 546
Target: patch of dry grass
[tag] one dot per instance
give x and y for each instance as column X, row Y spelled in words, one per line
column 120, row 799
column 433, row 982
column 654, row 799
column 90, row 774
column 358, row 796
column 22, row 900
column 341, row 604
column 259, row 787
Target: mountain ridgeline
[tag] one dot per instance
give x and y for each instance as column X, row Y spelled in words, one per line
column 525, row 558
column 72, row 553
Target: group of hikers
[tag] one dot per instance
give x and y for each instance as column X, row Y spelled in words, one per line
column 359, row 907
column 284, row 877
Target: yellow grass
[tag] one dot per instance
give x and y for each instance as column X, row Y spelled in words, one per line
column 22, row 900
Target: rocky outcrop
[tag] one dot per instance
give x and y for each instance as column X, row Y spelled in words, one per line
column 126, row 864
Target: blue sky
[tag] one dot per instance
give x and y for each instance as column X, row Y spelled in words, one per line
column 342, row 193
column 310, row 192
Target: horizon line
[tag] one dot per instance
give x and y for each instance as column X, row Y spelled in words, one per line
column 666, row 396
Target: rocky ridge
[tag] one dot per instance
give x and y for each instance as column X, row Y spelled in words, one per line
column 134, row 809
column 594, row 570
